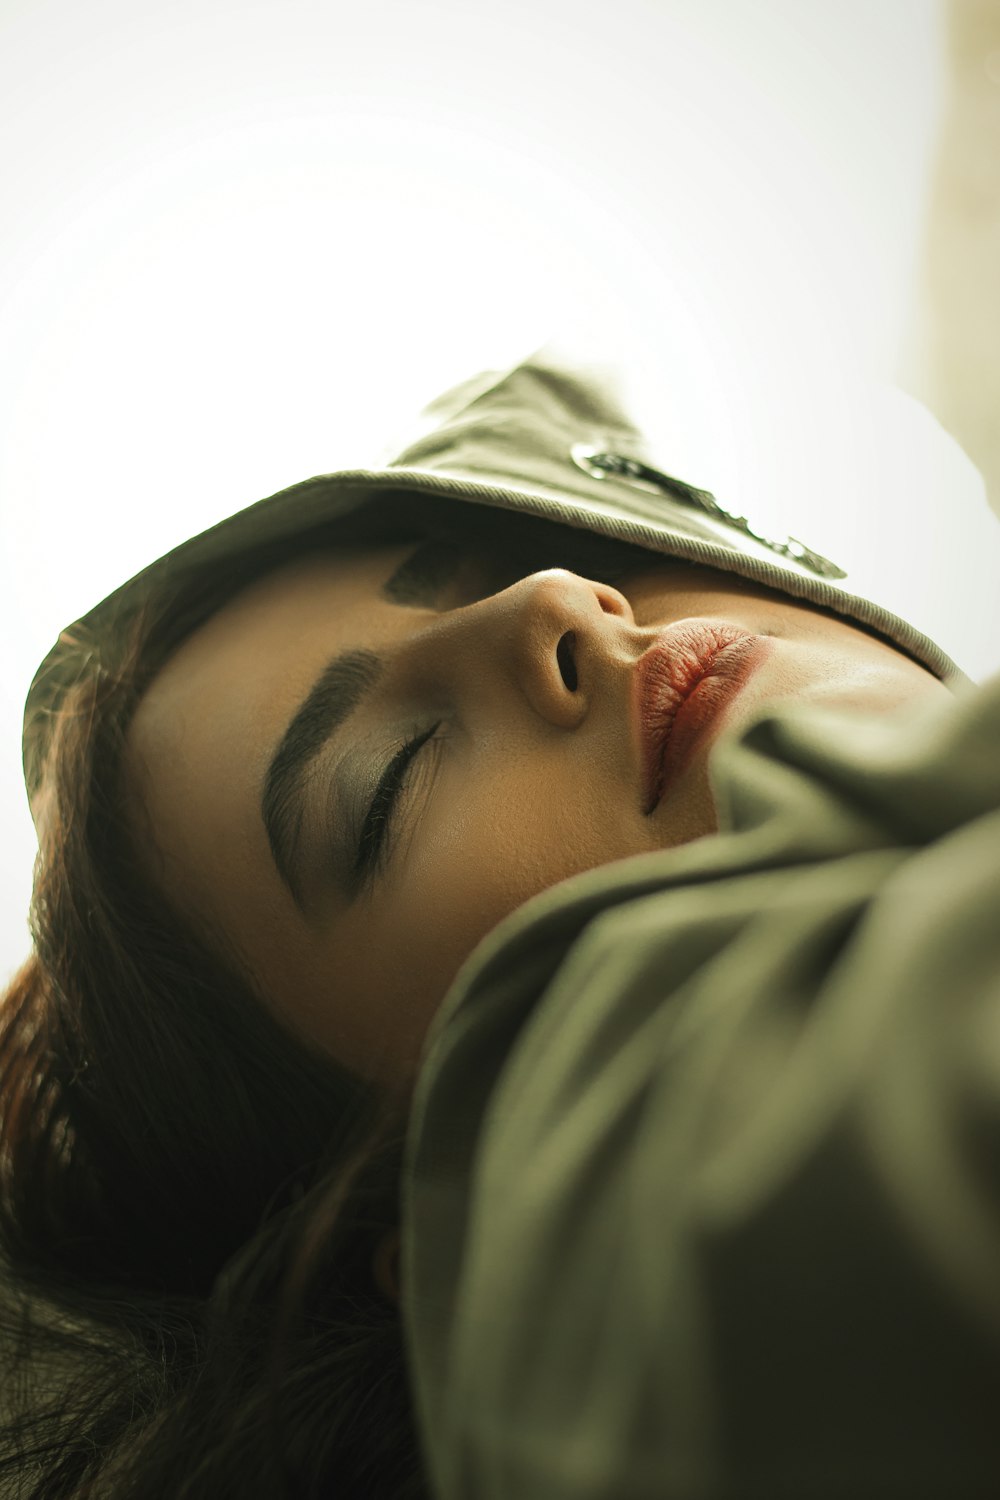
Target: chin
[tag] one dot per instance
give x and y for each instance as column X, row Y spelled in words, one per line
column 687, row 809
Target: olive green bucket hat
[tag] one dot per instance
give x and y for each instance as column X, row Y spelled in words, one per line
column 546, row 438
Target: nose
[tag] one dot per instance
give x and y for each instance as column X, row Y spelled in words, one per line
column 553, row 640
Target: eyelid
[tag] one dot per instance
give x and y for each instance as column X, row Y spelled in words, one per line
column 445, row 573
column 423, row 576
column 377, row 840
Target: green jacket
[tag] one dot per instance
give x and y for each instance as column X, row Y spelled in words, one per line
column 702, row 1195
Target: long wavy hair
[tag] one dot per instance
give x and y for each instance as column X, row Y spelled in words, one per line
column 191, row 1196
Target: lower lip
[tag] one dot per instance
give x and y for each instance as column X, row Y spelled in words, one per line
column 705, row 677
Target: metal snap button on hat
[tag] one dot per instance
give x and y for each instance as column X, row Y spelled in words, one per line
column 599, row 465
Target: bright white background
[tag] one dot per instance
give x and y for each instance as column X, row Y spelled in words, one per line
column 242, row 241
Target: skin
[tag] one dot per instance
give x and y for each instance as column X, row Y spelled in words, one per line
column 532, row 783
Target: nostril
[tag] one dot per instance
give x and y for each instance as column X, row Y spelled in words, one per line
column 564, row 656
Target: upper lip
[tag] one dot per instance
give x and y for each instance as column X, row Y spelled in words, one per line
column 682, row 655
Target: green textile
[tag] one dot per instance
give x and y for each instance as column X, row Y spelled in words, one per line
column 702, row 1190
column 519, row 440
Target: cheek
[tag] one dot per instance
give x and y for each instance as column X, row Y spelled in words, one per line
column 484, row 847
column 845, row 669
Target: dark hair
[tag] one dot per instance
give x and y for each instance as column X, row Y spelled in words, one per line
column 190, row 1195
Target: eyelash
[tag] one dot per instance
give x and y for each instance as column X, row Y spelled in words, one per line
column 375, row 843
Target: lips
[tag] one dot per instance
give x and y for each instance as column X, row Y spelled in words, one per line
column 686, row 680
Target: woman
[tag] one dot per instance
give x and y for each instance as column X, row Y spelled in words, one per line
column 287, row 783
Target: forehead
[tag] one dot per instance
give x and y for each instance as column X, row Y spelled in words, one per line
column 205, row 728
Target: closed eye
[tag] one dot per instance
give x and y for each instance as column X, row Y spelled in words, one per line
column 375, row 842
column 441, row 569
column 422, row 578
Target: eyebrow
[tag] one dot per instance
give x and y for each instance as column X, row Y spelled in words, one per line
column 340, row 689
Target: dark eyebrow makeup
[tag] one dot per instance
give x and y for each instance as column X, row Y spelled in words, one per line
column 339, row 690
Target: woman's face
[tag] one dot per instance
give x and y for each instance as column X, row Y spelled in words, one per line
column 256, row 752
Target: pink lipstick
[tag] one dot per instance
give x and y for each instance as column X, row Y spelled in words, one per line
column 686, row 680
